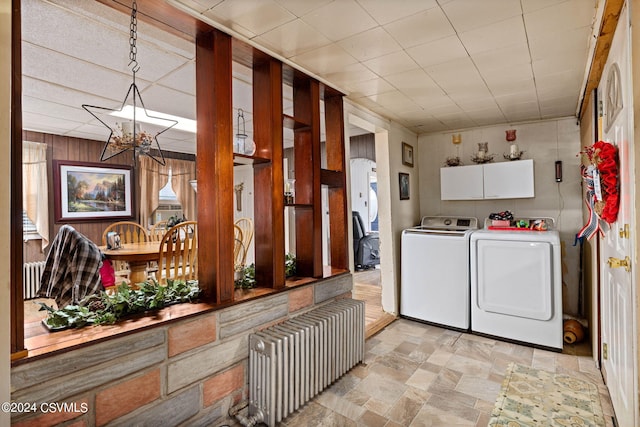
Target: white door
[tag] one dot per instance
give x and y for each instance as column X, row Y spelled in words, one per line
column 617, row 284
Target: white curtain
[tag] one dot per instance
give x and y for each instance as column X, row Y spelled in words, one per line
column 35, row 195
column 153, row 177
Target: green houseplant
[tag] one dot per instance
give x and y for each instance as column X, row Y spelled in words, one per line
column 108, row 308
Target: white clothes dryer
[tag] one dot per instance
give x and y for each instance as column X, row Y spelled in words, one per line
column 516, row 286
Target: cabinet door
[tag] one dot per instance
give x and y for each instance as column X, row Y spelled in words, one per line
column 509, row 180
column 461, row 183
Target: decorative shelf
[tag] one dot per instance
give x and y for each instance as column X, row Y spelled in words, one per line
column 291, row 123
column 243, row 159
column 299, row 205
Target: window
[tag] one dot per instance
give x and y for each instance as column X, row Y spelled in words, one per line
column 35, row 200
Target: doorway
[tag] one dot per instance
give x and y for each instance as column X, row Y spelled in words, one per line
column 365, row 205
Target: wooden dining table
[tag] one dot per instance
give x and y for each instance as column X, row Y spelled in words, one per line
column 137, row 255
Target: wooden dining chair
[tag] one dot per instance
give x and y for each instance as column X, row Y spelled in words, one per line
column 246, row 225
column 178, row 256
column 130, row 232
column 158, row 230
column 238, row 249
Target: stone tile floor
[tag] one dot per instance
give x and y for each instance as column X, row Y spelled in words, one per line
column 420, row 375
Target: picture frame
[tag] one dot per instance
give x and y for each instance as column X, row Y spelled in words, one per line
column 404, row 185
column 407, row 154
column 85, row 191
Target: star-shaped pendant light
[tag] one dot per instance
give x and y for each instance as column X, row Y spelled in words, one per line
column 128, row 135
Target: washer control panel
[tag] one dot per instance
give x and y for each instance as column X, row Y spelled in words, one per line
column 449, row 223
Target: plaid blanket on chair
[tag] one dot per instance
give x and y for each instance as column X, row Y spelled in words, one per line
column 72, row 269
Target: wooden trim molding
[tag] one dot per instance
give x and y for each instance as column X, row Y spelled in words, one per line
column 610, row 18
column 17, row 307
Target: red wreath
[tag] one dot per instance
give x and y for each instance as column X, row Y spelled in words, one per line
column 604, row 156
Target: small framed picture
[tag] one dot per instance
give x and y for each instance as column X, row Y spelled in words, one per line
column 407, row 154
column 404, row 186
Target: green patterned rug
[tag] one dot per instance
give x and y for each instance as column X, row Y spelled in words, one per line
column 531, row 397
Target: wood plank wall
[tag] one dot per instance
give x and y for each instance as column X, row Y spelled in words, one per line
column 83, row 150
column 363, row 147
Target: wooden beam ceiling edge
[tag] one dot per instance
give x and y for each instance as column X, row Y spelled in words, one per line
column 611, row 15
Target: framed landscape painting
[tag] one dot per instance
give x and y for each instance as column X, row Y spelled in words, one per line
column 92, row 191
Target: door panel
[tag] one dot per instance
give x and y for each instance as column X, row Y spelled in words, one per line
column 616, row 284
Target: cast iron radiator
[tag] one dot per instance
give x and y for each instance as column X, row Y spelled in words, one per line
column 293, row 361
column 31, row 274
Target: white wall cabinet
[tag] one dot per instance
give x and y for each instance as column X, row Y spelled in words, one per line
column 461, row 183
column 504, row 180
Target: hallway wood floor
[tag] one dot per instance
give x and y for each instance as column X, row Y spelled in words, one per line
column 367, row 287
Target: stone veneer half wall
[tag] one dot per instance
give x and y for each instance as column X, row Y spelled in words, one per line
column 190, row 371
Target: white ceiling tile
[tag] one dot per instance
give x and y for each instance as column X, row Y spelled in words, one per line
column 508, row 74
column 573, row 41
column 391, row 64
column 181, row 104
column 470, row 100
column 561, row 17
column 182, row 79
column 370, row 44
column 420, row 28
column 562, row 103
column 395, row 101
column 559, row 63
column 445, row 110
column 340, row 19
column 349, row 74
column 522, row 116
column 486, row 115
column 368, row 87
column 385, row 11
column 102, row 45
column 466, row 15
column 257, row 16
column 438, row 52
column 415, row 82
column 515, row 98
column 529, row 6
column 430, row 124
column 436, row 103
column 455, row 121
column 198, row 6
column 459, row 73
column 502, row 88
column 302, row 7
column 95, row 15
column 293, row 38
column 35, row 121
column 566, row 82
column 325, row 59
column 503, row 57
column 41, row 89
column 498, row 35
column 74, row 113
column 87, row 77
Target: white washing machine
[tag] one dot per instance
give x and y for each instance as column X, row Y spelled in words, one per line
column 434, row 284
column 516, row 286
